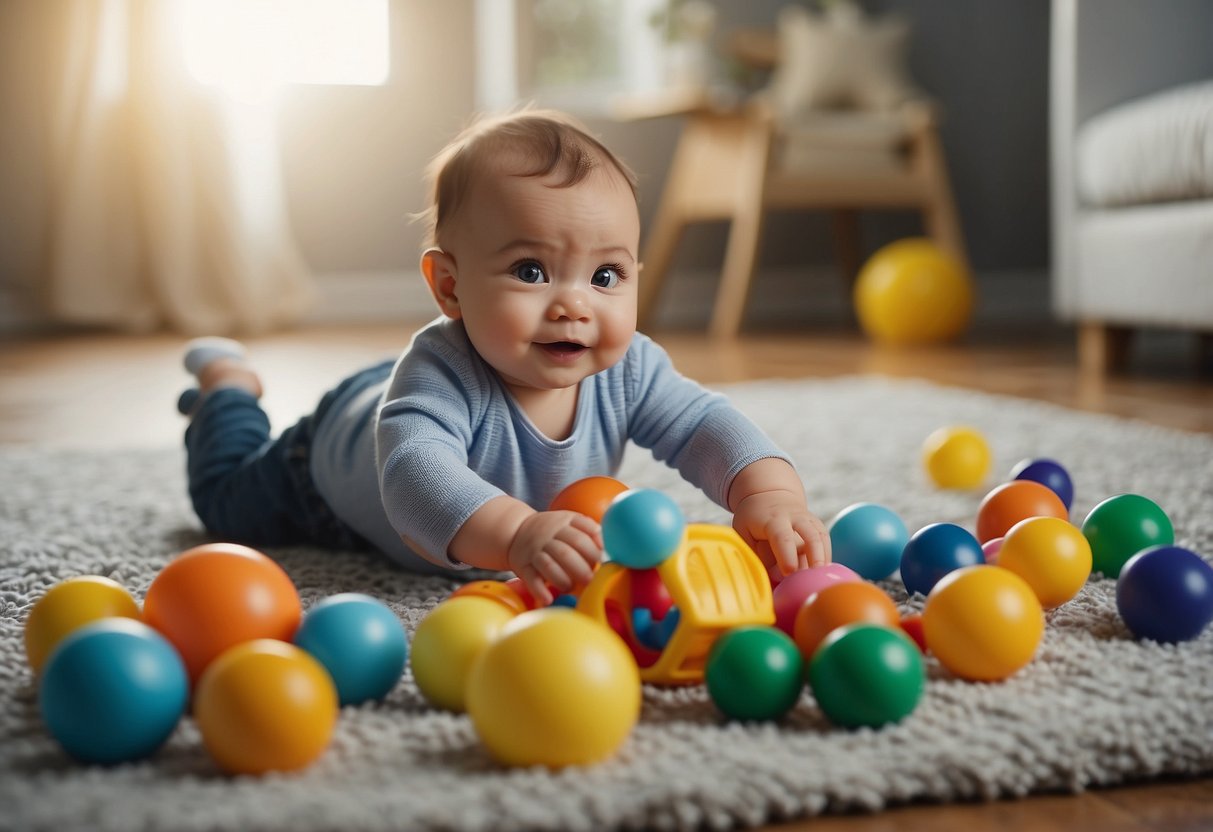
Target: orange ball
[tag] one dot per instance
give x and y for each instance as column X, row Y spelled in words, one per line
column 218, row 595
column 837, row 605
column 589, row 496
column 1013, row 501
column 265, row 706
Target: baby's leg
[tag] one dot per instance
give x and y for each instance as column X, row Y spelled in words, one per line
column 239, row 480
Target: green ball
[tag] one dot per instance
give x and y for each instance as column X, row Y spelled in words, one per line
column 867, row 675
column 754, row 673
column 1120, row 527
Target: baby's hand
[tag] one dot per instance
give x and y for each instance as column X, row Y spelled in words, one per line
column 780, row 528
column 560, row 548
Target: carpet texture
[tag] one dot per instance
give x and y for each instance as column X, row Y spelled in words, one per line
column 1095, row 706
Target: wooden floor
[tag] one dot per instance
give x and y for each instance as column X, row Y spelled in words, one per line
column 113, row 391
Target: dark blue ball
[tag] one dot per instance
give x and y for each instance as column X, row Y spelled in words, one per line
column 935, row 550
column 1048, row 473
column 1165, row 593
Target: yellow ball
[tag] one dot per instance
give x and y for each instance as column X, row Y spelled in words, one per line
column 556, row 689
column 956, row 457
column 448, row 640
column 983, row 622
column 1051, row 554
column 69, row 605
column 265, row 705
column 913, row 292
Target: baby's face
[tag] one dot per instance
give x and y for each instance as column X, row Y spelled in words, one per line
column 546, row 276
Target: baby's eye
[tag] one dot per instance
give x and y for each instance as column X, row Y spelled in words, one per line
column 530, row 272
column 607, row 277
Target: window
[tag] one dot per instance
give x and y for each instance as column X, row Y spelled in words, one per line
column 256, row 45
column 573, row 54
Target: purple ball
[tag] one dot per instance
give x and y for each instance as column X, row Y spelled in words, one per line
column 1165, row 593
column 1049, row 473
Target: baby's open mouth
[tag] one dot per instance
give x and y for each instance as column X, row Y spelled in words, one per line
column 563, row 346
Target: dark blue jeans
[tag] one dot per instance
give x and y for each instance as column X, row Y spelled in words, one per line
column 249, row 488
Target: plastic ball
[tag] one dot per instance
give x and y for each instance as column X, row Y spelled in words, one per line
column 113, row 691
column 590, row 496
column 956, row 457
column 789, row 595
column 991, row 549
column 218, row 595
column 911, row 625
column 1051, row 555
column 838, row 605
column 934, row 551
column 1013, row 501
column 69, row 605
column 556, row 689
column 448, row 641
column 642, row 528
column 1165, row 593
column 868, row 538
column 1049, row 473
column 265, row 706
column 648, row 591
column 360, row 642
column 913, row 292
column 502, row 592
column 754, row 673
column 867, row 675
column 1120, row 527
column 983, row 623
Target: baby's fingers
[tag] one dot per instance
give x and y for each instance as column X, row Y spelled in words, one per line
column 785, row 544
column 816, row 539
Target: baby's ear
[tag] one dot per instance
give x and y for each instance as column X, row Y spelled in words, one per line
column 439, row 270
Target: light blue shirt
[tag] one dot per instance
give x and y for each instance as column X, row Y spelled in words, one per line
column 445, row 436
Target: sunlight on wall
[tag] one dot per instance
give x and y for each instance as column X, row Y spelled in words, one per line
column 251, row 47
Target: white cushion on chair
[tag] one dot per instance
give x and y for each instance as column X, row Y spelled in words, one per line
column 839, row 59
column 843, row 142
column 1153, row 149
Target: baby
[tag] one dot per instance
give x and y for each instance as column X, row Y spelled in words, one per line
column 534, row 377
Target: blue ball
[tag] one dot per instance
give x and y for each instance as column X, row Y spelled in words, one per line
column 935, row 550
column 113, row 691
column 1048, row 473
column 1165, row 593
column 641, row 528
column 869, row 539
column 361, row 643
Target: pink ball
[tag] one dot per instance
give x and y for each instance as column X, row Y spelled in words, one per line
column 790, row 594
column 991, row 548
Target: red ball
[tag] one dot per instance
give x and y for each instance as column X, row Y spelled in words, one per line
column 218, row 595
column 1013, row 501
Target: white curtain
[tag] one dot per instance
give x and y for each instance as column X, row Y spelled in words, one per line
column 167, row 206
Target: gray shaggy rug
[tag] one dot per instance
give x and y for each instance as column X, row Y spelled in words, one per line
column 1095, row 707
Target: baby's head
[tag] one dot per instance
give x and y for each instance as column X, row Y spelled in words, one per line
column 533, row 231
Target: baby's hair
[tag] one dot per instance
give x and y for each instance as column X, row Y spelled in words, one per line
column 542, row 142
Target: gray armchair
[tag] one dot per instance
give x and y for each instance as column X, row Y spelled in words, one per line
column 1132, row 167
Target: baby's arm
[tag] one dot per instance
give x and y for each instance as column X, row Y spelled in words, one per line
column 771, row 513
column 560, row 548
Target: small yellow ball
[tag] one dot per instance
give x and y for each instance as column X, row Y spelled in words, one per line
column 448, row 640
column 556, row 689
column 956, row 457
column 913, row 292
column 68, row 606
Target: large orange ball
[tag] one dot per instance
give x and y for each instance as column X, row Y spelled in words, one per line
column 913, row 292
column 589, row 496
column 1013, row 501
column 218, row 595
column 838, row 605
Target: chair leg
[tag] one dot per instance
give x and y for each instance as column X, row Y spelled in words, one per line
column 1102, row 348
column 664, row 237
column 940, row 218
column 845, row 224
column 745, row 237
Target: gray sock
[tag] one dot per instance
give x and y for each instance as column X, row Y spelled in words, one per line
column 202, row 351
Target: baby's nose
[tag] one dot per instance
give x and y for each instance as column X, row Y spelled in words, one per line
column 569, row 303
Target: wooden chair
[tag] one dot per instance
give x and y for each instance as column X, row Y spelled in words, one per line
column 724, row 168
